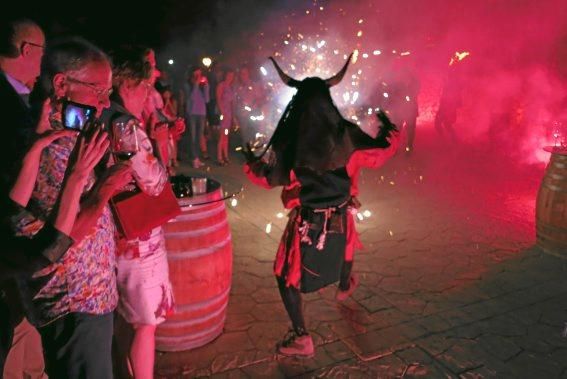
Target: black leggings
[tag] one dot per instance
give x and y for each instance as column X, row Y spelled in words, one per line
column 291, row 298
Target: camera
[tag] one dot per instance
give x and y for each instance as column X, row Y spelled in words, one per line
column 76, row 116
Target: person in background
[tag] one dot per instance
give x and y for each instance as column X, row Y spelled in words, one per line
column 215, row 75
column 450, row 102
column 163, row 80
column 401, row 103
column 196, row 97
column 177, row 125
column 155, row 121
column 22, row 43
column 225, row 102
column 170, row 108
column 249, row 99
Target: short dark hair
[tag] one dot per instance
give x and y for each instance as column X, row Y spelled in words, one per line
column 131, row 63
column 163, row 88
column 226, row 71
column 194, row 68
column 10, row 34
column 64, row 55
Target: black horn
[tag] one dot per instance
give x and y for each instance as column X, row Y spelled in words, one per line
column 332, row 81
column 283, row 76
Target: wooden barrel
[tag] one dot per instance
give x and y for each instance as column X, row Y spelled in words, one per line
column 199, row 251
column 551, row 207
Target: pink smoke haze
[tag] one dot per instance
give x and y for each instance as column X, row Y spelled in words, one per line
column 513, row 82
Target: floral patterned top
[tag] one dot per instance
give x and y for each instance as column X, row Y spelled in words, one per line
column 84, row 280
column 149, row 173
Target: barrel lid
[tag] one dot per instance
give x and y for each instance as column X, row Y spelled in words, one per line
column 181, row 182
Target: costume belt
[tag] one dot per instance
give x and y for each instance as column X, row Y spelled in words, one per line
column 332, row 222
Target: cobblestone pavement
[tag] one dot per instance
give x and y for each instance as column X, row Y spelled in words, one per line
column 451, row 282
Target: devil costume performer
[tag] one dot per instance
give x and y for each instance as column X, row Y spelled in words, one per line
column 316, row 155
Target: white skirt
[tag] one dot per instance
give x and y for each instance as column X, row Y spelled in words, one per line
column 146, row 296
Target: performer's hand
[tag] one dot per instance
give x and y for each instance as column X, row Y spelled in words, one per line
column 388, row 130
column 387, row 125
column 248, row 154
column 385, row 120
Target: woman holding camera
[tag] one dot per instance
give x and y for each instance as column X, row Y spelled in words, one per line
column 22, row 255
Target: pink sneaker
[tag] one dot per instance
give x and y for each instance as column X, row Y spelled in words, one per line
column 297, row 346
column 343, row 295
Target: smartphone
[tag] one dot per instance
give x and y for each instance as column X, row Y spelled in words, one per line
column 76, row 116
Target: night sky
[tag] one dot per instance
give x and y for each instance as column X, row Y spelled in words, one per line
column 190, row 28
column 184, row 29
column 111, row 23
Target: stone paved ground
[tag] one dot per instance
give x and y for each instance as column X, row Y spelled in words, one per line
column 451, row 282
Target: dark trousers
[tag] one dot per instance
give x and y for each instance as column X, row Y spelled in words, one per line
column 78, row 346
column 196, row 131
column 7, row 331
column 291, row 298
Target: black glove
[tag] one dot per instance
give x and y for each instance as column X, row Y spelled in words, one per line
column 386, row 129
column 387, row 125
column 248, row 154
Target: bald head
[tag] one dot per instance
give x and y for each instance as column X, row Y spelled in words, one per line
column 21, row 47
column 13, row 34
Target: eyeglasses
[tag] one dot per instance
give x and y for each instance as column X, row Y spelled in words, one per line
column 97, row 90
column 31, row 43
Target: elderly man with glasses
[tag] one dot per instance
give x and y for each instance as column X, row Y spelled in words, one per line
column 21, row 49
column 74, row 310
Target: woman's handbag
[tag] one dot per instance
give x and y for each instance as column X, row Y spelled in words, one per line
column 138, row 213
